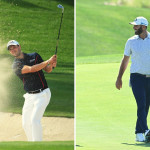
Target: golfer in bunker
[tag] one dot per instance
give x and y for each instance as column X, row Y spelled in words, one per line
column 138, row 47
column 28, row 67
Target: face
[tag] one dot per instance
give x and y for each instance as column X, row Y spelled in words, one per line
column 15, row 50
column 138, row 29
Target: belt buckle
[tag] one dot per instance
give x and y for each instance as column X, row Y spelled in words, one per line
column 34, row 92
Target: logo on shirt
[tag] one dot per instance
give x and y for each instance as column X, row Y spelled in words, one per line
column 32, row 60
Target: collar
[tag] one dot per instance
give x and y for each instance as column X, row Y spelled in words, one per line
column 25, row 56
column 148, row 36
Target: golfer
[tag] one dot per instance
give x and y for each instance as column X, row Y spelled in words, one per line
column 138, row 47
column 28, row 67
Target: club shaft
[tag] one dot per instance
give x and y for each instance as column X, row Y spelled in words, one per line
column 59, row 33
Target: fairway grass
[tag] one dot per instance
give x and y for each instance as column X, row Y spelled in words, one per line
column 67, row 145
column 99, row 59
column 105, row 116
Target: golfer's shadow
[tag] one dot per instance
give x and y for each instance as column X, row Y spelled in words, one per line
column 79, row 146
column 138, row 144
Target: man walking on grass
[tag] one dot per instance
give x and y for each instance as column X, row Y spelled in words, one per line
column 28, row 67
column 138, row 47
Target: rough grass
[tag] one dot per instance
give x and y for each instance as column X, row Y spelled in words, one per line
column 104, row 29
column 35, row 25
column 132, row 3
column 67, row 145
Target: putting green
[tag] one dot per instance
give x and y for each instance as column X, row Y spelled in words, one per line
column 105, row 116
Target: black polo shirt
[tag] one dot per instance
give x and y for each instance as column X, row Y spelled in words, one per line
column 32, row 81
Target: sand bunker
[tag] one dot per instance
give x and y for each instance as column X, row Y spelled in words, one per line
column 54, row 128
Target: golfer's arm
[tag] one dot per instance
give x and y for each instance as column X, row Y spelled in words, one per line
column 34, row 68
column 48, row 68
column 123, row 66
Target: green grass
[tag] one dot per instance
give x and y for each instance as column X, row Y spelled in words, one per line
column 133, row 3
column 103, row 29
column 113, row 58
column 35, row 25
column 67, row 145
column 105, row 116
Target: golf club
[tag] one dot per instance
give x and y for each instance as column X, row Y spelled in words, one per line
column 59, row 6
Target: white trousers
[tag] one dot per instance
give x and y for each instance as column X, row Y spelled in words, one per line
column 32, row 113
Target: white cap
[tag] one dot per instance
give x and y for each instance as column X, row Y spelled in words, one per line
column 12, row 42
column 140, row 21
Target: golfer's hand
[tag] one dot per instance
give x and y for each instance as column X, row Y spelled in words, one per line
column 54, row 63
column 119, row 83
column 52, row 60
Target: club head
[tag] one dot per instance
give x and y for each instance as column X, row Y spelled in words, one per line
column 60, row 6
